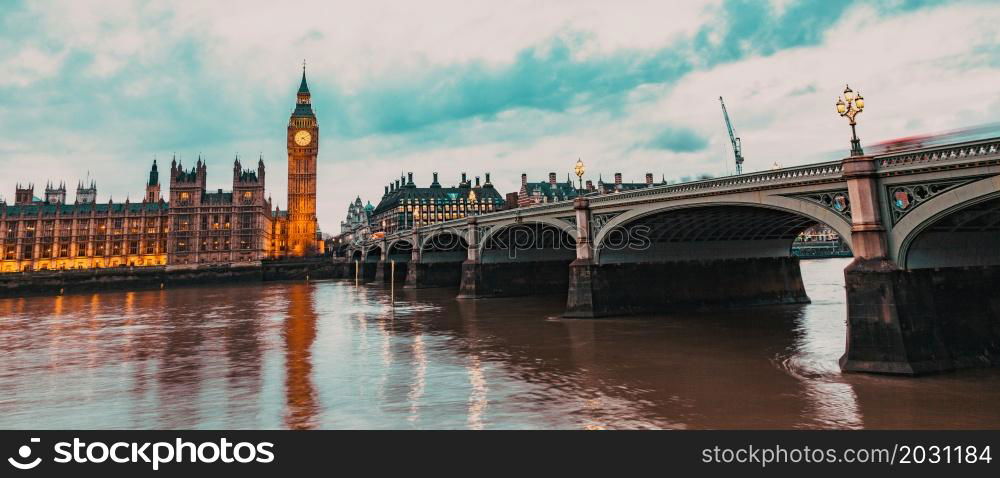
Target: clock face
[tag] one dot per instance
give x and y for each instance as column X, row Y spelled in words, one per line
column 303, row 138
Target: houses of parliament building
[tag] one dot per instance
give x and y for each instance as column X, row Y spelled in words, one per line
column 193, row 226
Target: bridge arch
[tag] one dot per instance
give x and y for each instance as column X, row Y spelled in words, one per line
column 776, row 219
column 956, row 228
column 503, row 227
column 444, row 240
column 399, row 246
column 541, row 240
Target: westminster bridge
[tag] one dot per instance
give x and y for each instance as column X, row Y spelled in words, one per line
column 922, row 225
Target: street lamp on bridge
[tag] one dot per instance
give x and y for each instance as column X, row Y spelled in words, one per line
column 855, row 104
column 579, row 169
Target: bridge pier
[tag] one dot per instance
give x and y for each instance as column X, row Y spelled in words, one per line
column 412, row 276
column 915, row 321
column 380, row 266
column 602, row 290
column 514, row 269
column 471, row 274
column 431, row 269
column 920, row 321
column 580, row 300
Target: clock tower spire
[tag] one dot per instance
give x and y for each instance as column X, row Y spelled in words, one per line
column 303, row 148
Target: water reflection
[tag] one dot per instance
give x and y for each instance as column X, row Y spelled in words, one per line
column 299, row 334
column 329, row 354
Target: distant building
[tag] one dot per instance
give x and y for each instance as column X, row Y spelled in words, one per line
column 545, row 191
column 532, row 193
column 358, row 216
column 356, row 227
column 405, row 206
column 619, row 186
column 819, row 232
column 819, row 241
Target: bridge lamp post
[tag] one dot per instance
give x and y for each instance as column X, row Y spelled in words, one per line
column 579, row 169
column 855, row 105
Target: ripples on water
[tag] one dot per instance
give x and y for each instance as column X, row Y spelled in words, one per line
column 332, row 355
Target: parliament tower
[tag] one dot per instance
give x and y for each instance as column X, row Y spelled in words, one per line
column 303, row 147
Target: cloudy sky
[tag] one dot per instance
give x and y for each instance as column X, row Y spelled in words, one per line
column 450, row 86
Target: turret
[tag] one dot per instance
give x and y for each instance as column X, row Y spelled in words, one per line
column 237, row 168
column 24, row 194
column 55, row 195
column 153, row 184
column 86, row 193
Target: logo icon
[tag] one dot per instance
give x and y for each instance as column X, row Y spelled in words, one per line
column 24, row 452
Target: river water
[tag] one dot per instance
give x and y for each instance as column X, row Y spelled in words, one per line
column 328, row 354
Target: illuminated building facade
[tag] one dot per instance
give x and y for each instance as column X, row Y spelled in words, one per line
column 40, row 234
column 296, row 231
column 405, row 206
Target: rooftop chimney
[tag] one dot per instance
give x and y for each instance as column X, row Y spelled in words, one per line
column 524, row 179
column 463, row 178
column 477, row 181
column 397, row 184
column 487, row 178
column 409, row 179
column 435, row 184
column 618, row 181
column 386, row 191
column 649, row 179
column 590, row 185
column 552, row 179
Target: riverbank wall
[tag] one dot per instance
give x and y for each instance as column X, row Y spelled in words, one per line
column 55, row 282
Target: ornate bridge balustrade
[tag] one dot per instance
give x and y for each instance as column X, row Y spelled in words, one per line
column 923, row 226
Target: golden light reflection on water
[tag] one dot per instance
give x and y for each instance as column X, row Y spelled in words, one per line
column 299, row 334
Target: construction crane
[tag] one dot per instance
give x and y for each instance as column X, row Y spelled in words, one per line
column 737, row 150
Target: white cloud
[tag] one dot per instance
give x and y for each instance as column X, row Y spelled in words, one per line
column 28, row 65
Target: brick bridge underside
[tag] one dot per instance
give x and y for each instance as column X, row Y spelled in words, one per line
column 923, row 227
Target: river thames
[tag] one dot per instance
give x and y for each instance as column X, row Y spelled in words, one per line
column 328, row 354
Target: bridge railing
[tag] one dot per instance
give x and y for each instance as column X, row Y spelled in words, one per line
column 783, row 175
column 952, row 152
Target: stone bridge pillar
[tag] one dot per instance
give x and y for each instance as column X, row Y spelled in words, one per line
column 380, row 273
column 412, row 276
column 471, row 268
column 868, row 235
column 891, row 327
column 580, row 295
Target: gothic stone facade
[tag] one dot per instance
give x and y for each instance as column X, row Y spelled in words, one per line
column 218, row 227
column 40, row 234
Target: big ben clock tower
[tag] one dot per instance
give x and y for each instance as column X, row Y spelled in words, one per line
column 303, row 147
